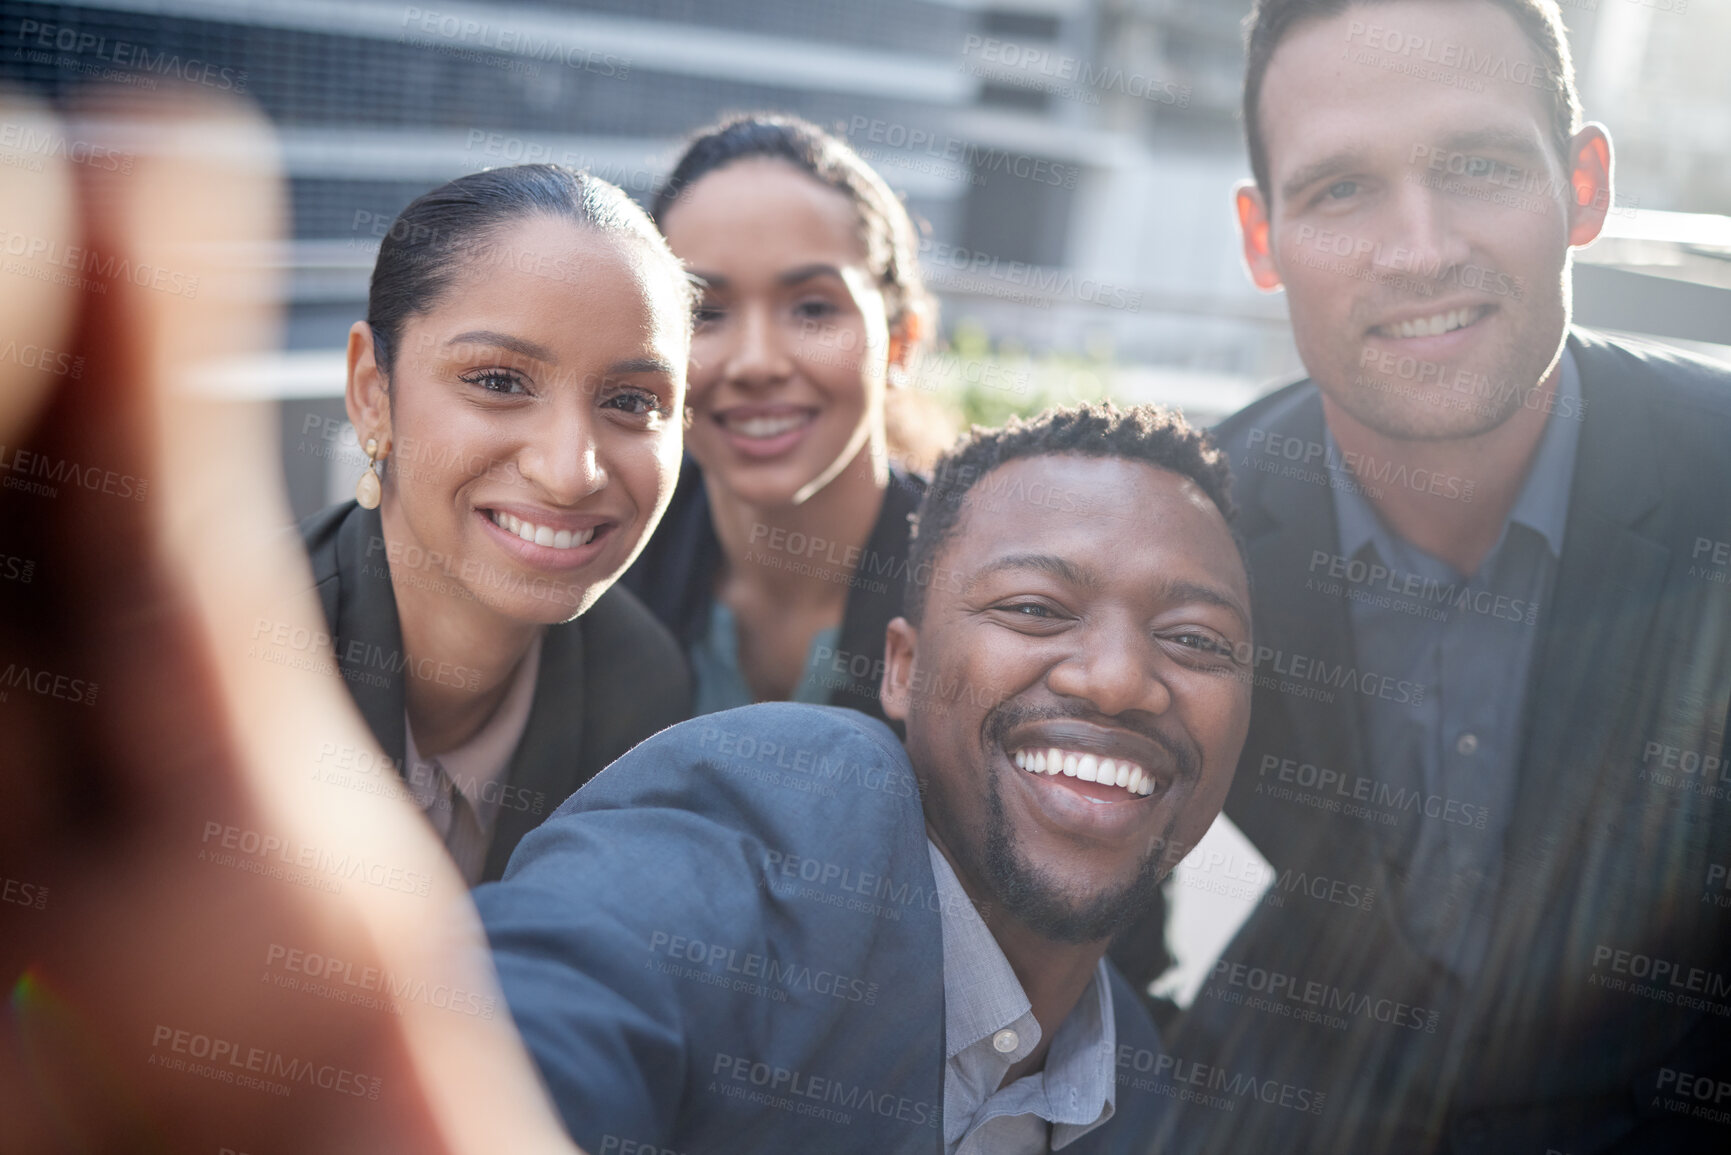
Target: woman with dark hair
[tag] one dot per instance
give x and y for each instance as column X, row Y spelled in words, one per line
column 519, row 381
column 784, row 554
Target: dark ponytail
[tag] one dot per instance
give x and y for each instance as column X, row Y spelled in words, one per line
column 890, row 237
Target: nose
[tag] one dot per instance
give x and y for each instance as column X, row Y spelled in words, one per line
column 1115, row 668
column 756, row 354
column 561, row 458
column 1427, row 223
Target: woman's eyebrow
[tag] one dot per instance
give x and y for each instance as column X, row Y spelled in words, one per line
column 807, row 272
column 500, row 340
column 642, row 365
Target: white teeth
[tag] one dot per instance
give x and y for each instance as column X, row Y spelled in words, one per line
column 1436, row 326
column 766, row 426
column 1124, row 774
column 541, row 534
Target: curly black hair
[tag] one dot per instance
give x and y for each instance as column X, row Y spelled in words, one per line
column 1146, row 433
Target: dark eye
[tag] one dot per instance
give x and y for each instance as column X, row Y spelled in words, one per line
column 636, row 402
column 813, row 308
column 498, row 381
column 1032, row 612
column 1203, row 643
column 705, row 314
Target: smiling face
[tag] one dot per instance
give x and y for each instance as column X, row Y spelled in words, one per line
column 1075, row 708
column 1421, row 229
column 790, row 354
column 532, row 418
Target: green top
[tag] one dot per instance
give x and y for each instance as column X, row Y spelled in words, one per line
column 715, row 666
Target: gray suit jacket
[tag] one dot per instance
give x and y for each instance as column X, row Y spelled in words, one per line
column 608, row 680
column 1609, row 868
column 731, row 941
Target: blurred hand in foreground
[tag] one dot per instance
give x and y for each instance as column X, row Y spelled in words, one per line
column 222, row 926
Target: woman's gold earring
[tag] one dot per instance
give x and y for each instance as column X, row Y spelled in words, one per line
column 367, row 491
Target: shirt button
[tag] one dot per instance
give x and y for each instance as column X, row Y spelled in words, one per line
column 1467, row 745
column 1005, row 1041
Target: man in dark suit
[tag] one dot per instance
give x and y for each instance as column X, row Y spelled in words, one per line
column 776, row 929
column 1493, row 658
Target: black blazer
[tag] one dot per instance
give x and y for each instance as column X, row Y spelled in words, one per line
column 607, row 680
column 1610, row 856
column 675, row 577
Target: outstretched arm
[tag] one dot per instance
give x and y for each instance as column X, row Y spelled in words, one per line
column 221, row 948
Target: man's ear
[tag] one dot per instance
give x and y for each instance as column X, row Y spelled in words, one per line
column 895, row 691
column 365, row 397
column 1253, row 230
column 1590, row 178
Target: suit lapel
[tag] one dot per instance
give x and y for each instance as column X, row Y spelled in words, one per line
column 1297, row 624
column 369, row 639
column 547, row 764
column 1588, row 708
column 1599, row 627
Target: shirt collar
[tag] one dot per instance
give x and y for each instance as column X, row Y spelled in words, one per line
column 485, row 759
column 981, row 992
column 1542, row 504
column 1076, row 1089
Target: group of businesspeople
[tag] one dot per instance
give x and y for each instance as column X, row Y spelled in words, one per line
column 1485, row 645
column 814, row 805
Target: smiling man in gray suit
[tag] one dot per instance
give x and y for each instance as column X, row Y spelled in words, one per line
column 776, row 929
column 1487, row 759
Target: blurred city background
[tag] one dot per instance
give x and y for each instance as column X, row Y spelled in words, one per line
column 1074, row 160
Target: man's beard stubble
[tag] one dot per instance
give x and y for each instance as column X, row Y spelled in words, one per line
column 1403, row 409
column 1031, row 895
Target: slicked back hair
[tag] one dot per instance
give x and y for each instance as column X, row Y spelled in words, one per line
column 1271, row 21
column 888, row 232
column 1144, row 433
column 443, row 232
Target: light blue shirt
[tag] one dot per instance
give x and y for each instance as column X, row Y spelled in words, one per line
column 1469, row 641
column 989, row 1027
